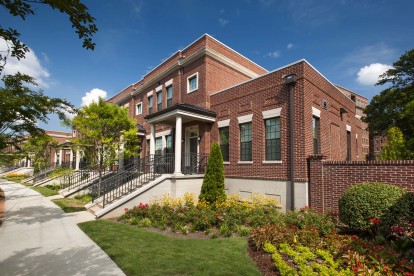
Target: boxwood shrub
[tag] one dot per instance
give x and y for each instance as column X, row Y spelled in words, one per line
column 388, row 203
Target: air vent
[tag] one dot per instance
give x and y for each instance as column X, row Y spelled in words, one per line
column 325, row 104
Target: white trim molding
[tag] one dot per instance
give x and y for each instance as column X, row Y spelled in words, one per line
column 149, row 94
column 136, row 108
column 348, row 128
column 272, row 113
column 168, row 83
column 316, row 112
column 224, row 123
column 244, row 162
column 245, row 119
column 158, row 88
column 272, row 162
column 160, row 134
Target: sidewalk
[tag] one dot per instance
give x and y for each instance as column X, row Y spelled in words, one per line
column 38, row 238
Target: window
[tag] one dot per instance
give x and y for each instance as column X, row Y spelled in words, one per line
column 159, row 100
column 158, row 146
column 272, row 138
column 169, row 144
column 348, row 146
column 192, row 83
column 315, row 128
column 150, row 105
column 139, row 108
column 169, row 95
column 224, row 143
column 246, row 142
column 148, row 147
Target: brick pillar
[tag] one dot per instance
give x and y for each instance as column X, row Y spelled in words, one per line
column 316, row 183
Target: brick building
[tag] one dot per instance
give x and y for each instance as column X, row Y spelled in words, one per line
column 267, row 123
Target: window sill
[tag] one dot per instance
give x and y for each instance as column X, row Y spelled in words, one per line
column 244, row 162
column 226, row 162
column 191, row 91
column 272, row 162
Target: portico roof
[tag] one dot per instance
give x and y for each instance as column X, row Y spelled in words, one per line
column 188, row 113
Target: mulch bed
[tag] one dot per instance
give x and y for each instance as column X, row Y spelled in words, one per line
column 263, row 260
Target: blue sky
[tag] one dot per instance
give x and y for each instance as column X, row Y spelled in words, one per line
column 347, row 41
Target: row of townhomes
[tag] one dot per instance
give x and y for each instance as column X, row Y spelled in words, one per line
column 267, row 122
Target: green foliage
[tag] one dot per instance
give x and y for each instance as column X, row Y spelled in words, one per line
column 363, row 202
column 394, row 106
column 86, row 198
column 81, row 20
column 70, row 205
column 59, row 172
column 212, row 189
column 40, row 148
column 21, row 110
column 396, row 148
column 48, row 190
column 105, row 128
column 306, row 218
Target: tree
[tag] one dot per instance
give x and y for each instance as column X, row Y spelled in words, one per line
column 81, row 20
column 104, row 129
column 212, row 189
column 394, row 106
column 21, row 109
column 40, row 147
column 395, row 149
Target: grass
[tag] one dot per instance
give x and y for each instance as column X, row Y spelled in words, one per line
column 70, row 205
column 140, row 252
column 48, row 190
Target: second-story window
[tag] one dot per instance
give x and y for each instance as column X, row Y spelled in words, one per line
column 139, row 108
column 246, row 142
column 169, row 95
column 315, row 128
column 150, row 105
column 192, row 83
column 272, row 139
column 159, row 100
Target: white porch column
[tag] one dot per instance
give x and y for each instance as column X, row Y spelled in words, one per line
column 77, row 160
column 71, row 158
column 60, row 157
column 152, row 141
column 178, row 138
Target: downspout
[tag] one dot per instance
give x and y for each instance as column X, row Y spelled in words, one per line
column 291, row 80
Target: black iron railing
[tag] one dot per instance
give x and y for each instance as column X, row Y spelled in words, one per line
column 192, row 163
column 143, row 171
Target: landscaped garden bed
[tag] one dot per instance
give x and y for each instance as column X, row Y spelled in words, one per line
column 295, row 243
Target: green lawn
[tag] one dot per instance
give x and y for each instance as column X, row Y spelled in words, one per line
column 140, row 252
column 70, row 205
column 46, row 191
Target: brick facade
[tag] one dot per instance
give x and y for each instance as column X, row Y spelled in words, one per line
column 329, row 179
column 235, row 88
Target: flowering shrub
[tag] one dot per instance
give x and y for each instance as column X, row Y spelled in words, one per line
column 231, row 215
column 305, row 217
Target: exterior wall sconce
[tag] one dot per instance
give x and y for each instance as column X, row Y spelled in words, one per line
column 198, row 138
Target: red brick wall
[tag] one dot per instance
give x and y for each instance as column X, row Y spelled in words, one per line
column 329, row 179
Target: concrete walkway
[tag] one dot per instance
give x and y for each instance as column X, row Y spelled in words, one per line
column 38, row 238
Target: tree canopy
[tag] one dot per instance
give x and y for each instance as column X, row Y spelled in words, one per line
column 394, row 106
column 81, row 20
column 395, row 149
column 21, row 109
column 105, row 133
column 39, row 148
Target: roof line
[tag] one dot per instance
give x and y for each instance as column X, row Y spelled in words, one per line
column 351, row 91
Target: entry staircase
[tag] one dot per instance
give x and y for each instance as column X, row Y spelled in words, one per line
column 140, row 173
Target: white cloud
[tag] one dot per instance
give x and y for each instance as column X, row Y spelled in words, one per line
column 93, row 96
column 369, row 75
column 30, row 65
column 223, row 22
column 290, row 46
column 274, row 54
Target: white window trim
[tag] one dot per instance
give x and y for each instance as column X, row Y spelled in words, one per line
column 272, row 162
column 245, row 119
column 244, row 162
column 188, row 83
column 158, row 88
column 348, row 128
column 272, row 113
column 168, row 83
column 224, row 123
column 316, row 112
column 226, row 162
column 136, row 108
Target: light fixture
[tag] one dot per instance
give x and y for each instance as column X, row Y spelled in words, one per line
column 291, row 78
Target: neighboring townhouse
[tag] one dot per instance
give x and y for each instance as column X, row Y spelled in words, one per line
column 267, row 123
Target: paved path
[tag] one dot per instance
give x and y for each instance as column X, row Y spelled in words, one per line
column 38, row 238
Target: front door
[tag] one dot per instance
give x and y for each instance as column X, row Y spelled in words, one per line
column 191, row 150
